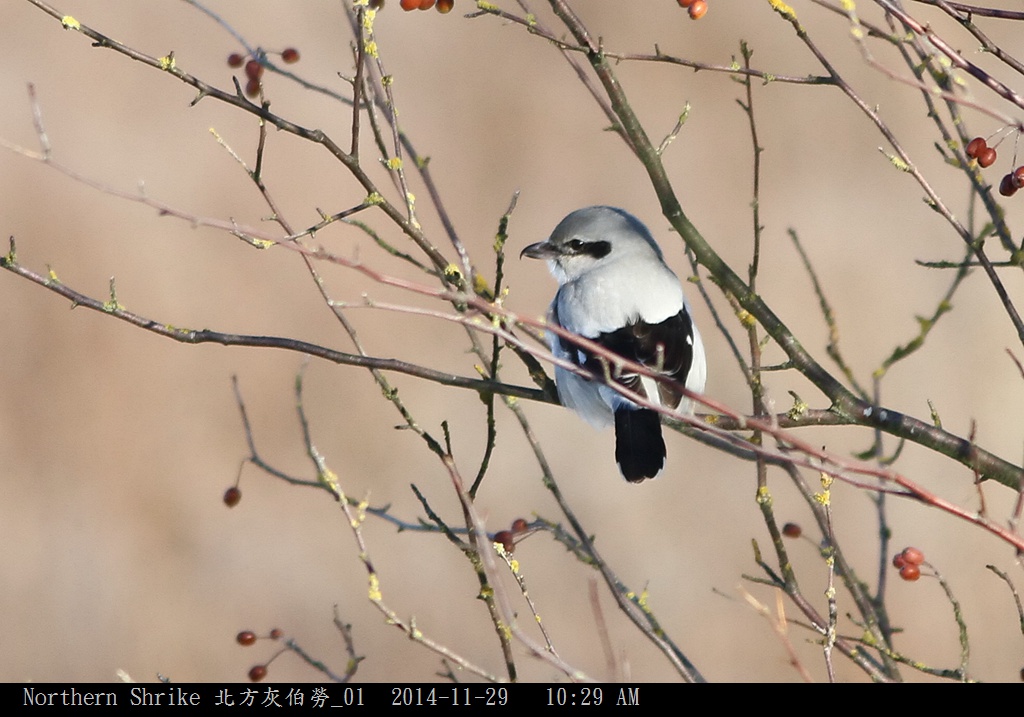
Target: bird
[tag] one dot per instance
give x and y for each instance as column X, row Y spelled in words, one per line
column 615, row 289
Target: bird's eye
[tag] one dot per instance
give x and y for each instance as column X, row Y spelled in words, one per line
column 575, row 244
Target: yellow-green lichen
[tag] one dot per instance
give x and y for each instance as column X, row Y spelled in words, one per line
column 783, row 9
column 480, row 285
column 452, row 273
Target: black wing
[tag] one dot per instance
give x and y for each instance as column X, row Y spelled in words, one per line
column 668, row 344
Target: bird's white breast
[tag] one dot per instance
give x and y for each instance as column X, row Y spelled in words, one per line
column 607, row 298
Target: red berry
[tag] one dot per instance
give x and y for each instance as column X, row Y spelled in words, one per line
column 912, row 556
column 792, row 530
column 898, row 561
column 445, row 6
column 253, row 70
column 975, row 147
column 252, row 88
column 231, row 496
column 685, row 3
column 519, row 525
column 408, row 5
column 987, row 157
column 698, row 9
column 235, row 60
column 910, row 572
column 1008, row 186
column 505, row 538
column 290, row 55
column 257, row 673
column 1017, row 177
column 276, row 633
column 246, row 637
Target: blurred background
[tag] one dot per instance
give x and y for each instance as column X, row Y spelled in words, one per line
column 116, row 445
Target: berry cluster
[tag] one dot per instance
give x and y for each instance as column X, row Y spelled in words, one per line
column 443, row 6
column 696, row 8
column 1012, row 182
column 254, row 68
column 979, row 150
column 507, row 538
column 246, row 638
column 909, row 563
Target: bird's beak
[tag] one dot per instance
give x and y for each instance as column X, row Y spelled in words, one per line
column 540, row 250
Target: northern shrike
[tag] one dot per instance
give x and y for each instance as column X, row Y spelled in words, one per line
column 615, row 289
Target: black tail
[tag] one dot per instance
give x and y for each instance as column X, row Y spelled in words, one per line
column 639, row 447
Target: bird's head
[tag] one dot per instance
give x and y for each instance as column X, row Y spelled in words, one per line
column 590, row 238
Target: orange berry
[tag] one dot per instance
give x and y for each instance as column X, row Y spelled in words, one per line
column 792, row 530
column 408, row 5
column 276, row 634
column 698, row 9
column 912, row 556
column 290, row 55
column 987, row 157
column 686, row 3
column 445, row 6
column 975, row 147
column 257, row 673
column 910, row 572
column 246, row 637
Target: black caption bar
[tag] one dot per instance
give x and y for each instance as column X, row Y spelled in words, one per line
column 328, row 697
